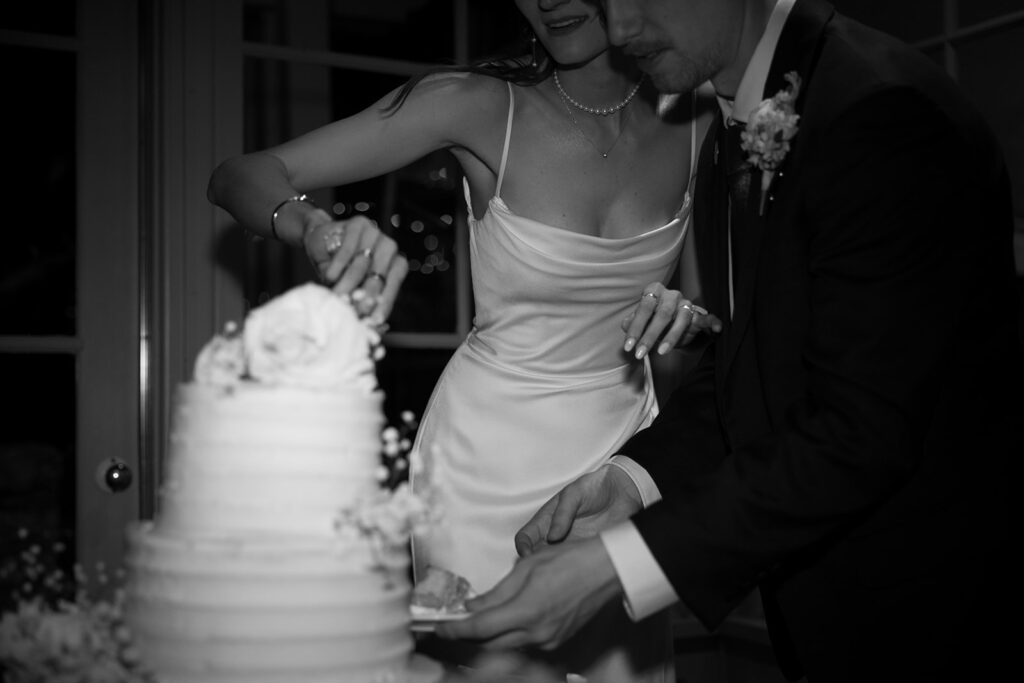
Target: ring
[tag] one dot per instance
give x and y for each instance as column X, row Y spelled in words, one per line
column 379, row 276
column 368, row 252
column 650, row 294
column 333, row 239
column 693, row 308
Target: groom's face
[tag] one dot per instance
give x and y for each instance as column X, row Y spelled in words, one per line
column 679, row 43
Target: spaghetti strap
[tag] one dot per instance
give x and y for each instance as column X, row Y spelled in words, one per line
column 691, row 182
column 508, row 135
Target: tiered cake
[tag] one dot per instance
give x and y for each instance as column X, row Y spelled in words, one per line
column 275, row 557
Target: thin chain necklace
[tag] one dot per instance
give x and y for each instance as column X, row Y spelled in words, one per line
column 597, row 111
column 579, row 129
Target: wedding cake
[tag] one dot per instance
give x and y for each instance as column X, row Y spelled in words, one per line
column 275, row 555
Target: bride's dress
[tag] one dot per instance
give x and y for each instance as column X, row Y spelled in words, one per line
column 539, row 393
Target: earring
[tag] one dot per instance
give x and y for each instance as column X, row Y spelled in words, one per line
column 533, row 51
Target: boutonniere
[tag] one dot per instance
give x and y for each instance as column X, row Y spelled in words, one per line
column 769, row 129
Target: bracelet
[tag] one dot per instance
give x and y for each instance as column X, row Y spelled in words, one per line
column 273, row 217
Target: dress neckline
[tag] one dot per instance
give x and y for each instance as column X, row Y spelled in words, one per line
column 499, row 203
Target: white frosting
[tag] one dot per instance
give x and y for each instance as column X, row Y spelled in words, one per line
column 233, row 611
column 254, row 459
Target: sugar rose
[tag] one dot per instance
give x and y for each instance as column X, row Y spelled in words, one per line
column 309, row 337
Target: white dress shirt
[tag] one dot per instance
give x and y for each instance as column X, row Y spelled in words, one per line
column 647, row 589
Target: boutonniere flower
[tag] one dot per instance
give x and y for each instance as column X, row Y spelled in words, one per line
column 769, row 129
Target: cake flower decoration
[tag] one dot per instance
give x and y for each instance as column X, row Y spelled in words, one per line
column 308, row 337
column 222, row 361
column 769, row 130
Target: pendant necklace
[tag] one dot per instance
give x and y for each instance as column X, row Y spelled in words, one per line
column 579, row 129
column 596, row 111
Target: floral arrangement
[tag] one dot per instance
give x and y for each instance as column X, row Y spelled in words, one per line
column 769, row 129
column 394, row 513
column 307, row 337
column 56, row 633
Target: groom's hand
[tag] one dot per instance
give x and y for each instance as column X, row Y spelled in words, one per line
column 585, row 507
column 543, row 601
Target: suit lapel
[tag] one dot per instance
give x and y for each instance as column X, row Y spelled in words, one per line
column 709, row 226
column 747, row 233
column 797, row 50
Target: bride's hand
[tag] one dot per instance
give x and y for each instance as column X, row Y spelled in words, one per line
column 355, row 257
column 586, row 506
column 663, row 319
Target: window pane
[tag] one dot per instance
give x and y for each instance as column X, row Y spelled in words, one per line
column 407, row 377
column 353, row 91
column 909, row 20
column 975, row 11
column 494, row 27
column 37, row 261
column 55, row 18
column 413, row 30
column 416, row 30
column 37, row 456
column 263, row 22
column 428, row 196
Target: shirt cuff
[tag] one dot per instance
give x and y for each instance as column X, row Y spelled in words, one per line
column 649, row 493
column 647, row 589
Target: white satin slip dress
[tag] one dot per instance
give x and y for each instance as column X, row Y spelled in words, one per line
column 540, row 392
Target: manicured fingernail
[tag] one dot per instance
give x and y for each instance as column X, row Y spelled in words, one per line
column 630, row 343
column 663, row 349
column 641, row 351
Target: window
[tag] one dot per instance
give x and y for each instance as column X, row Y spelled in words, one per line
column 68, row 288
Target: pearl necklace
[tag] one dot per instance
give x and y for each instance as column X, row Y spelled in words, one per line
column 597, row 111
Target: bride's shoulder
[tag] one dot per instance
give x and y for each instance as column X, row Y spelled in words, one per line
column 463, row 90
column 466, row 107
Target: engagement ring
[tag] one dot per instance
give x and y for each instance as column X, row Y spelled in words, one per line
column 333, row 239
column 694, row 309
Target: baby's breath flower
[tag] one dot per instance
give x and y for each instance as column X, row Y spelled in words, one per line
column 394, row 513
column 46, row 637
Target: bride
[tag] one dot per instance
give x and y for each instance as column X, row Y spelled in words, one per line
column 576, row 182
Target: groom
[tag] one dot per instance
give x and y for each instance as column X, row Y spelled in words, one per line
column 844, row 444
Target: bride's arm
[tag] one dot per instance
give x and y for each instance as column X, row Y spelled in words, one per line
column 442, row 111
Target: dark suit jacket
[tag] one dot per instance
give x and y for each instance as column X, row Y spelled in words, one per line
column 844, row 443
